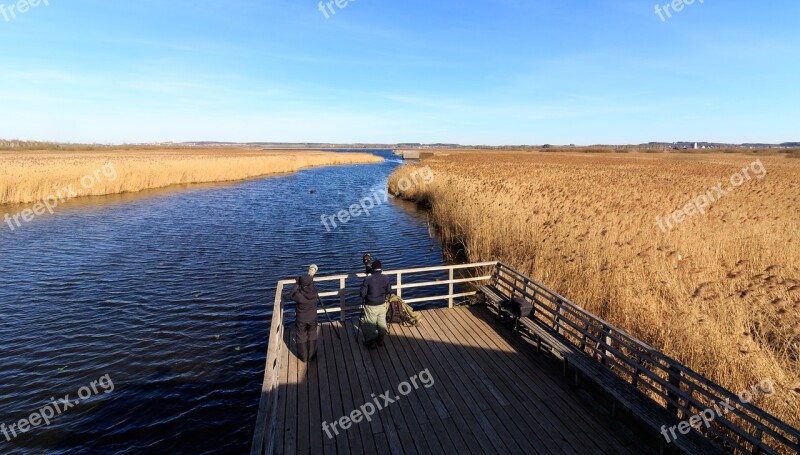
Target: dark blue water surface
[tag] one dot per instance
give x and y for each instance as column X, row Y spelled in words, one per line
column 168, row 292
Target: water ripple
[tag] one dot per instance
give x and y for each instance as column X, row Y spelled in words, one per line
column 168, row 292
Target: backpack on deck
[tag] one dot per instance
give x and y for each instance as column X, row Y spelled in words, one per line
column 399, row 312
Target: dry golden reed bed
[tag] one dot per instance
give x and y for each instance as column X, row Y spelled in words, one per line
column 31, row 176
column 720, row 292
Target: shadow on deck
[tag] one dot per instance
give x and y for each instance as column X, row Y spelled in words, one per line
column 493, row 390
column 491, row 393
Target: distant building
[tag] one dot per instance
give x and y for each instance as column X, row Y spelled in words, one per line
column 409, row 154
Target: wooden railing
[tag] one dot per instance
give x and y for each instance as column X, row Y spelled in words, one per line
column 346, row 294
column 745, row 428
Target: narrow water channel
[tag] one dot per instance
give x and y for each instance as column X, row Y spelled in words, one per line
column 166, row 294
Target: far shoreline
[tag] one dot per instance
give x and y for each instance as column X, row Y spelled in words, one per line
column 48, row 177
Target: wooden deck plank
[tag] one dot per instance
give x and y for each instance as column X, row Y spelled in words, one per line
column 523, row 377
column 303, row 414
column 450, row 397
column 462, row 380
column 558, row 398
column 518, row 382
column 520, row 378
column 410, row 349
column 410, row 404
column 314, row 408
column 290, row 422
column 283, row 377
column 492, row 394
column 436, row 413
column 337, row 405
column 356, row 374
column 514, row 422
column 541, row 431
column 356, row 351
column 409, row 441
column 390, row 430
column 346, row 376
column 556, row 432
column 327, row 412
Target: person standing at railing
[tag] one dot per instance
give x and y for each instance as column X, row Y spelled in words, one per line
column 374, row 291
column 306, row 295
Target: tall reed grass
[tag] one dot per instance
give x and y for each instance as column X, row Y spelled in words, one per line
column 34, row 175
column 720, row 292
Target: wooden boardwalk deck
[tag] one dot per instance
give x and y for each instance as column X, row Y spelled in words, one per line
column 491, row 393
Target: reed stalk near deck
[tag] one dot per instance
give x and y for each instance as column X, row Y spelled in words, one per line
column 31, row 176
column 720, row 292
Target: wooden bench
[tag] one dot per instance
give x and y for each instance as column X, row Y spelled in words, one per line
column 621, row 391
column 494, row 298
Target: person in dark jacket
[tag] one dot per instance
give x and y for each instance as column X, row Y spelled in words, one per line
column 306, row 295
column 374, row 291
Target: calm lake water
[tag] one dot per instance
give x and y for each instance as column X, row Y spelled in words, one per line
column 168, row 293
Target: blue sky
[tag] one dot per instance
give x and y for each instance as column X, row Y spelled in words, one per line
column 472, row 72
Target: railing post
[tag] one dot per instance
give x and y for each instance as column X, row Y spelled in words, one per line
column 598, row 347
column 532, row 290
column 399, row 285
column 450, row 300
column 342, row 298
column 585, row 335
column 557, row 317
column 515, row 287
column 675, row 381
column 760, row 435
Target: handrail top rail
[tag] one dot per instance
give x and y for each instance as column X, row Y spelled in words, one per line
column 320, row 279
column 437, row 268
